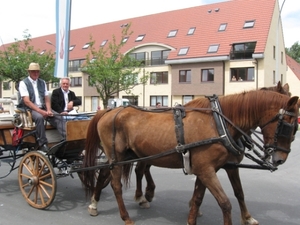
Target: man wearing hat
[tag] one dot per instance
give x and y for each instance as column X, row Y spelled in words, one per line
column 34, row 97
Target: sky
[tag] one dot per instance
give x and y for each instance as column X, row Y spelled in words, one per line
column 38, row 16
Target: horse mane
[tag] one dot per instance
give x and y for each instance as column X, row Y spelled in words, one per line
column 243, row 107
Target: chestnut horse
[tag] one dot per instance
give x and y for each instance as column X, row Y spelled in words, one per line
column 131, row 131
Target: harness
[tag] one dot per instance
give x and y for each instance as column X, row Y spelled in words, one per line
column 283, row 129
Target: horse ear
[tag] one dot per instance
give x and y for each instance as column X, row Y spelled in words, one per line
column 292, row 102
column 286, row 87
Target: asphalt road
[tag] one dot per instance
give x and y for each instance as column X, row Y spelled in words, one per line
column 272, row 199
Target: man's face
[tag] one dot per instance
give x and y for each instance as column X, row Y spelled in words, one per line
column 34, row 74
column 65, row 84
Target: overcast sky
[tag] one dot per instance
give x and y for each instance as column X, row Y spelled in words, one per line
column 38, row 16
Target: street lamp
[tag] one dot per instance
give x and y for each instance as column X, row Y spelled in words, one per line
column 50, row 43
column 277, row 44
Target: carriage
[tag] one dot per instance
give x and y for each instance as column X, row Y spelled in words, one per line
column 38, row 171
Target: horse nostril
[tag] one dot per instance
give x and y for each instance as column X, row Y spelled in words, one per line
column 280, row 162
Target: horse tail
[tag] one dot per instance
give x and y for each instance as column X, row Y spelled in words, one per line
column 126, row 172
column 92, row 146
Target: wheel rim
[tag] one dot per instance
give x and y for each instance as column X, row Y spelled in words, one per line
column 37, row 180
column 7, row 162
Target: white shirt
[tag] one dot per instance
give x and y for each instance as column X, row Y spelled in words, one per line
column 24, row 92
column 66, row 98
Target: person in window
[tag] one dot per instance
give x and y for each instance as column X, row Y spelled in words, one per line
column 34, row 97
column 158, row 105
column 1, row 108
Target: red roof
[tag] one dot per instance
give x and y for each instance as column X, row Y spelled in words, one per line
column 206, row 19
column 294, row 65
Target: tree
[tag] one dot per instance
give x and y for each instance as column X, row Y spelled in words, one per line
column 14, row 61
column 294, row 51
column 110, row 71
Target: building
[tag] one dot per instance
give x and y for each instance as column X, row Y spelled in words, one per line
column 220, row 48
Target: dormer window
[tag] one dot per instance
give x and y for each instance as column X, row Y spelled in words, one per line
column 140, row 38
column 43, row 52
column 103, row 43
column 191, row 31
column 222, row 26
column 249, row 24
column 86, row 46
column 183, row 51
column 172, row 33
column 71, row 47
column 213, row 49
column 125, row 39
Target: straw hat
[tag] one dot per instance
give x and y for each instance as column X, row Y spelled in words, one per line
column 34, row 66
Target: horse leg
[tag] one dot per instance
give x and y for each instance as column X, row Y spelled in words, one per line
column 150, row 184
column 234, row 177
column 103, row 175
column 117, row 188
column 140, row 169
column 196, row 201
column 211, row 181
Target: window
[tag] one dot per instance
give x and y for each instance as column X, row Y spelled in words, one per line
column 71, row 47
column 249, row 24
column 185, row 76
column 213, row 48
column 242, row 74
column 140, row 56
column 242, row 50
column 159, row 77
column 6, row 86
column 159, row 57
column 183, row 51
column 140, row 38
column 162, row 99
column 274, row 52
column 187, row 98
column 125, row 39
column 55, row 85
column 274, row 77
column 281, row 59
column 191, row 31
column 207, row 75
column 172, row 33
column 133, row 100
column 103, row 43
column 76, row 82
column 86, row 46
column 95, row 103
column 75, row 65
column 43, row 52
column 222, row 26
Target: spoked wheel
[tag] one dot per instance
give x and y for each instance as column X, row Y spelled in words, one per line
column 37, row 180
column 7, row 162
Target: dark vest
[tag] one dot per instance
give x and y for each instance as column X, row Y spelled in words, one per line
column 41, row 90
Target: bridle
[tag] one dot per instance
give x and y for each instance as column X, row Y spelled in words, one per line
column 283, row 130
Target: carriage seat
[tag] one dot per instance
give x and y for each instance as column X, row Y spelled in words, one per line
column 26, row 122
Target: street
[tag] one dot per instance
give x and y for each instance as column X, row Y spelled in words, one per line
column 272, row 199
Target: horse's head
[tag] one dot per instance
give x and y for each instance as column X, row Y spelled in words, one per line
column 279, row 131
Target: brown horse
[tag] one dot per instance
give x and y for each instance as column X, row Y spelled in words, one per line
column 121, row 132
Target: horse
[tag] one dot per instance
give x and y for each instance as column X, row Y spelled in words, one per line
column 121, row 132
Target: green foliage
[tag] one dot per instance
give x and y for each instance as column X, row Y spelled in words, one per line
column 109, row 70
column 294, row 51
column 15, row 59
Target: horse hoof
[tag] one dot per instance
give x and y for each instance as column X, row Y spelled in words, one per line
column 129, row 222
column 144, row 205
column 251, row 221
column 92, row 212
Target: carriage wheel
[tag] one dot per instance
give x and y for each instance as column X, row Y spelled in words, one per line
column 37, row 180
column 7, row 162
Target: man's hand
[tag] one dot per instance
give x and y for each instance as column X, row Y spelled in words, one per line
column 70, row 106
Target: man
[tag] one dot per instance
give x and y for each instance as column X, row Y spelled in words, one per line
column 34, row 97
column 63, row 100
